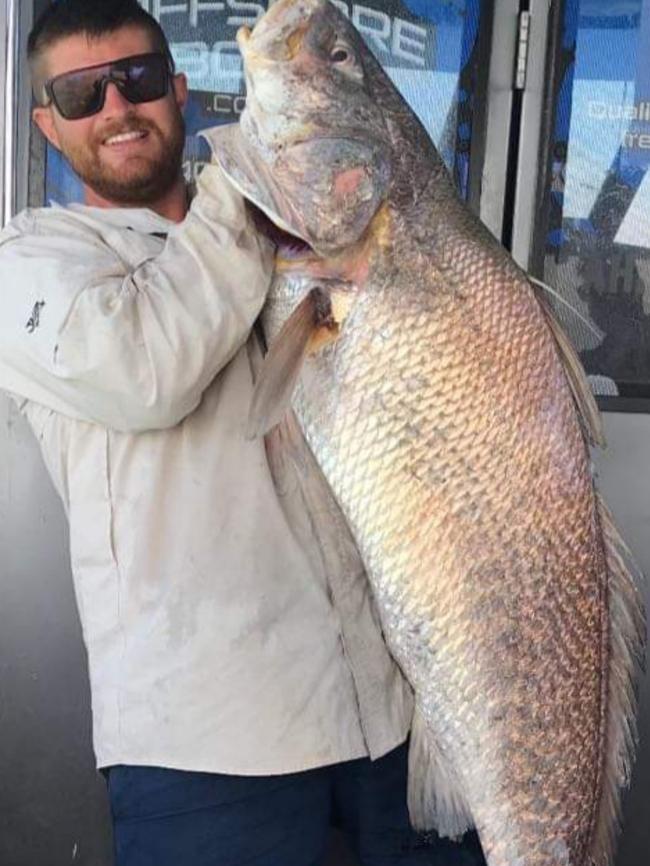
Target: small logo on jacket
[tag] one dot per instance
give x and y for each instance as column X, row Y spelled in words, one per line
column 35, row 319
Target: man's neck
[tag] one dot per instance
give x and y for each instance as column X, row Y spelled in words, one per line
column 173, row 205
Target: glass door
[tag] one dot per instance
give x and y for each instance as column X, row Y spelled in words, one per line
column 592, row 231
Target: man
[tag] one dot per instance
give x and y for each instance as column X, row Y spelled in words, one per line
column 242, row 697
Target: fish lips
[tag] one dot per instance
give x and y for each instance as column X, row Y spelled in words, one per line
column 323, row 190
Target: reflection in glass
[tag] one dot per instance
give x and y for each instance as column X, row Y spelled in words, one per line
column 597, row 216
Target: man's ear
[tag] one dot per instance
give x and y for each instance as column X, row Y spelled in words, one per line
column 42, row 117
column 180, row 89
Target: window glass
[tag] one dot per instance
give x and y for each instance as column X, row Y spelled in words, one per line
column 594, row 236
column 431, row 49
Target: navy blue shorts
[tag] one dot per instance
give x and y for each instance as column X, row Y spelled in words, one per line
column 167, row 817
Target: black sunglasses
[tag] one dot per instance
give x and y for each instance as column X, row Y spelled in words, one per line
column 81, row 93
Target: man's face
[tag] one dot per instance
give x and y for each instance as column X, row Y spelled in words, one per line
column 133, row 170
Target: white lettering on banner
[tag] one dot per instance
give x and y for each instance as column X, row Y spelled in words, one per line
column 637, row 114
column 374, row 25
column 249, row 13
column 613, row 111
column 196, row 7
column 202, row 64
column 226, row 59
column 409, row 41
column 193, row 58
column 404, row 40
column 226, row 103
column 158, row 8
column 638, row 140
column 405, row 46
column 254, row 10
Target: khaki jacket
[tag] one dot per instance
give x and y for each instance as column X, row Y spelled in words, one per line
column 216, row 640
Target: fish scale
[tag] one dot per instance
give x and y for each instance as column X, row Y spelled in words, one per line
column 359, row 479
column 451, row 420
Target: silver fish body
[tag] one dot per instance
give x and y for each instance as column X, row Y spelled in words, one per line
column 440, row 402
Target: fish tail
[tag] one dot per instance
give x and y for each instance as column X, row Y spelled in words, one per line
column 627, row 638
column 436, row 799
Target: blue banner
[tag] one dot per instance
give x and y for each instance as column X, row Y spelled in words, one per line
column 426, row 46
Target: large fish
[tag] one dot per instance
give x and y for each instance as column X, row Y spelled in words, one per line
column 452, row 422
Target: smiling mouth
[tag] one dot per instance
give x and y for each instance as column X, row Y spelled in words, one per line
column 126, row 137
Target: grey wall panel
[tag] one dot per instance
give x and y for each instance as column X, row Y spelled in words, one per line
column 52, row 803
column 624, row 478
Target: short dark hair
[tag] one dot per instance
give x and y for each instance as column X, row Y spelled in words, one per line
column 94, row 18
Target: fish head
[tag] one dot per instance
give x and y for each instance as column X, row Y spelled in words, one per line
column 316, row 153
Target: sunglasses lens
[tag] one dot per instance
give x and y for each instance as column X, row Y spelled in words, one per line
column 142, row 79
column 78, row 94
column 139, row 79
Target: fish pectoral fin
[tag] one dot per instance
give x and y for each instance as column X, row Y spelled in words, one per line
column 312, row 325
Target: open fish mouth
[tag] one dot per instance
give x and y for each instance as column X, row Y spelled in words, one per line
column 289, row 246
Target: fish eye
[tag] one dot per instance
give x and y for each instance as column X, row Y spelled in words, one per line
column 339, row 54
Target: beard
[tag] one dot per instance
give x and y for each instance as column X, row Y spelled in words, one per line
column 142, row 181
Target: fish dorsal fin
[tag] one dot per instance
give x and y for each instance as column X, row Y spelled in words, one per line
column 582, row 394
column 312, row 325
